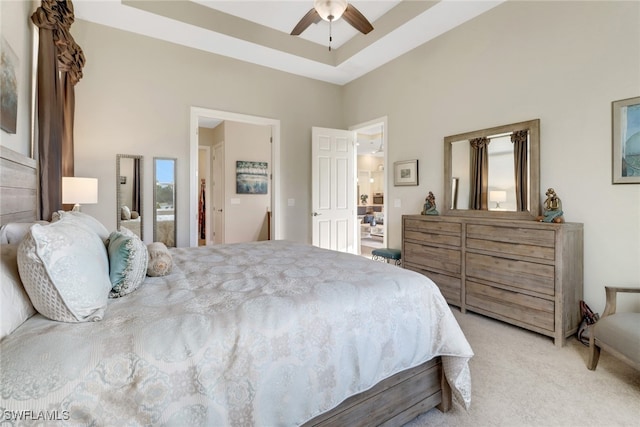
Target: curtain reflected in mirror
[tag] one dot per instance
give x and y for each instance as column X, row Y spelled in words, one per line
column 129, row 193
column 164, row 201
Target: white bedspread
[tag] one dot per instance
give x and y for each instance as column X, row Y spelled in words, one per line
column 269, row 333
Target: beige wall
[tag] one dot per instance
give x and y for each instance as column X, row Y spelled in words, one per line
column 16, row 28
column 135, row 98
column 245, row 214
column 561, row 62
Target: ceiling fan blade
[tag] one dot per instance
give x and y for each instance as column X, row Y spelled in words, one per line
column 311, row 17
column 357, row 19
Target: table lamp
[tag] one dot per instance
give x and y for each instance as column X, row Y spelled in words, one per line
column 76, row 190
column 498, row 196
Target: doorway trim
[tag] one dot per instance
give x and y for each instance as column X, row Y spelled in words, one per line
column 385, row 126
column 199, row 112
column 207, row 173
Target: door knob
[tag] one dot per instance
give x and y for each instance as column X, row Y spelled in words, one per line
column 315, row 214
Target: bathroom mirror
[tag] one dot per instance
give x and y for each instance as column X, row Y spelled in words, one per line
column 494, row 172
column 164, row 201
column 129, row 212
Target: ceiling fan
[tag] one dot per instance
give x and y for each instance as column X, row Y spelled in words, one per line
column 332, row 10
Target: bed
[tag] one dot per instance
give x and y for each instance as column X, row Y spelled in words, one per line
column 264, row 333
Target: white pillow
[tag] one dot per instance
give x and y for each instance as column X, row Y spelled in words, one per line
column 125, row 213
column 14, row 232
column 65, row 270
column 128, row 259
column 15, row 305
column 86, row 219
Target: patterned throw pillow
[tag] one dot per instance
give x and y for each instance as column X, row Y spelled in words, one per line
column 128, row 260
column 160, row 261
column 65, row 270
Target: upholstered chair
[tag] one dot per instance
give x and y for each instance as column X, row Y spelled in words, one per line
column 616, row 333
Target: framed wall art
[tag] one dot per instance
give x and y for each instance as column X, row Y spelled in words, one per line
column 9, row 83
column 626, row 141
column 251, row 177
column 405, row 172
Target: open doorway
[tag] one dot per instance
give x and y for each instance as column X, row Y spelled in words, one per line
column 202, row 118
column 371, row 186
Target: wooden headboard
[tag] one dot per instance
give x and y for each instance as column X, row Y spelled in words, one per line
column 18, row 187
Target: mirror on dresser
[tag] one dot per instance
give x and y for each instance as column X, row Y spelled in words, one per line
column 494, row 172
column 164, row 201
column 129, row 212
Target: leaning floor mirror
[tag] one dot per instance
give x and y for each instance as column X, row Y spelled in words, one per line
column 129, row 193
column 164, row 201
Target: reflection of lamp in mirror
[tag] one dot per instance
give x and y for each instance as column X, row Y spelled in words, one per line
column 77, row 190
column 497, row 196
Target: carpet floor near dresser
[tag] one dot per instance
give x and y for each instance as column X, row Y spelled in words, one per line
column 519, row 378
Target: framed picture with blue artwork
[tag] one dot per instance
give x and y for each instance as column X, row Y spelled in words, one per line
column 252, row 177
column 626, row 141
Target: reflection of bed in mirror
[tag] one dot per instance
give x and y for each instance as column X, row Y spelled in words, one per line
column 165, row 232
column 132, row 224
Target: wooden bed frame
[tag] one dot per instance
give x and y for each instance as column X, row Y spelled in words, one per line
column 392, row 402
column 18, row 187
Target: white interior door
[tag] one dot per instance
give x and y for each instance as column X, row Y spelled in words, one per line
column 218, row 194
column 333, row 181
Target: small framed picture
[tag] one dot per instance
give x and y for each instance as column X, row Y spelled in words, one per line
column 626, row 141
column 405, row 172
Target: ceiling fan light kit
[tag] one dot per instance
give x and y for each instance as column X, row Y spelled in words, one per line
column 332, row 10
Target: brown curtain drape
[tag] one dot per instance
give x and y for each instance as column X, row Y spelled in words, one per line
column 479, row 173
column 136, row 186
column 521, row 165
column 60, row 62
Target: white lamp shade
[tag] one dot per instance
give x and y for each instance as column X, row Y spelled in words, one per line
column 325, row 8
column 77, row 190
column 498, row 196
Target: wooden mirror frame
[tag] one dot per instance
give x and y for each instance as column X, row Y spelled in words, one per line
column 534, row 172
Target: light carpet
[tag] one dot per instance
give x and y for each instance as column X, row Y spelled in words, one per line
column 520, row 378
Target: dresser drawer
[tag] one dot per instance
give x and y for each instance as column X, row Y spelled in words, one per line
column 434, row 238
column 536, row 243
column 513, row 306
column 450, row 287
column 424, row 256
column 528, row 276
column 433, row 226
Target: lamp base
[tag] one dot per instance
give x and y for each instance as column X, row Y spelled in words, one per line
column 76, row 208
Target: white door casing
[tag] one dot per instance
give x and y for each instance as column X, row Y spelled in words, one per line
column 333, row 185
column 218, row 193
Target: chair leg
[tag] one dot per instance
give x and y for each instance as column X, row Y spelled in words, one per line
column 594, row 353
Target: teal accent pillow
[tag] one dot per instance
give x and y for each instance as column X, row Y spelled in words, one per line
column 128, row 260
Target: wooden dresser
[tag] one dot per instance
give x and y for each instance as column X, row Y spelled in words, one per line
column 526, row 273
